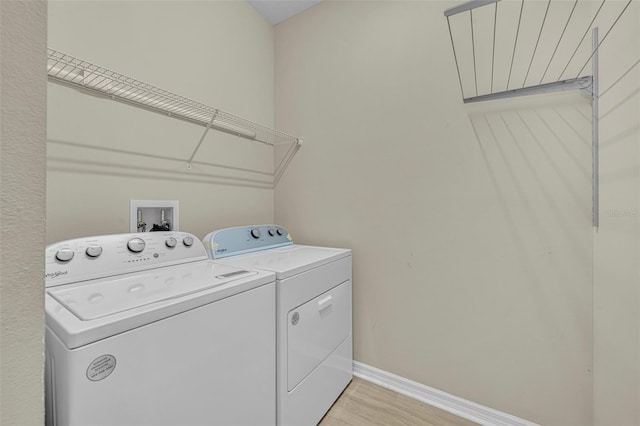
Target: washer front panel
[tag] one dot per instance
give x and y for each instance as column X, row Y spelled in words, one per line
column 204, row 366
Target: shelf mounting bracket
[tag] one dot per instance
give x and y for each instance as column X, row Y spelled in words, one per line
column 595, row 217
column 206, row 129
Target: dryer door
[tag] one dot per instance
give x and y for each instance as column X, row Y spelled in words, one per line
column 315, row 329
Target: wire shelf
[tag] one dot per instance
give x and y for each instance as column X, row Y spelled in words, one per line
column 473, row 91
column 482, row 26
column 71, row 71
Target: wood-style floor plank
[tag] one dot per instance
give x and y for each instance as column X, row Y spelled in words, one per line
column 364, row 403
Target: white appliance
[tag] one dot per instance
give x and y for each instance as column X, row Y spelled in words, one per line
column 313, row 292
column 144, row 329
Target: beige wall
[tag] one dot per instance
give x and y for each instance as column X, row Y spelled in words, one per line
column 474, row 267
column 101, row 154
column 616, row 244
column 22, row 205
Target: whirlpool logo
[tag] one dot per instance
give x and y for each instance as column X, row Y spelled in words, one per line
column 55, row 274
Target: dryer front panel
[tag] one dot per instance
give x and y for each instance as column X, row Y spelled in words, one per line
column 315, row 329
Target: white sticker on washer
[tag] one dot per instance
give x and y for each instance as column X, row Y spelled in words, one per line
column 101, row 367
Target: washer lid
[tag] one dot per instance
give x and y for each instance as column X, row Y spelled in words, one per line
column 89, row 311
column 103, row 297
column 288, row 261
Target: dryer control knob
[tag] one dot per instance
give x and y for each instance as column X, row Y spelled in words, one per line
column 255, row 233
column 272, row 232
column 171, row 242
column 187, row 241
column 64, row 255
column 136, row 245
column 94, row 251
column 280, row 231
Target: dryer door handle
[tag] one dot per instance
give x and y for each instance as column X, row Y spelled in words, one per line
column 325, row 302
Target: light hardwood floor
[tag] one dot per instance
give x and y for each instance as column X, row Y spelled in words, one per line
column 365, row 404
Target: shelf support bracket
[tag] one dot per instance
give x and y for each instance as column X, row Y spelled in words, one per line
column 595, row 218
column 213, row 117
column 284, row 163
column 581, row 83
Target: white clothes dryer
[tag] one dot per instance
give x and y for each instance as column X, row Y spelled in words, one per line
column 144, row 329
column 313, row 293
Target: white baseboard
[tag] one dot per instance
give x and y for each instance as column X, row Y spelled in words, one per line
column 447, row 402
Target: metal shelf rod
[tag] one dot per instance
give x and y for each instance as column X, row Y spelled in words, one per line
column 455, row 57
column 597, row 46
column 515, row 44
column 582, row 39
column 559, row 40
column 582, row 83
column 535, row 49
column 473, row 47
column 474, row 4
column 493, row 51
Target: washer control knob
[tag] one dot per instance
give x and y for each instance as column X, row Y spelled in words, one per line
column 187, row 241
column 64, row 255
column 279, row 231
column 136, row 245
column 255, row 233
column 272, row 232
column 94, row 251
column 171, row 242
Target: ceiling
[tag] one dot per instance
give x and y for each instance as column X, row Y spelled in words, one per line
column 277, row 11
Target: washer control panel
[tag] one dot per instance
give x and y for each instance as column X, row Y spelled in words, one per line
column 100, row 256
column 245, row 239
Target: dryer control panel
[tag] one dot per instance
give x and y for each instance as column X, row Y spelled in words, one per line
column 101, row 256
column 245, row 239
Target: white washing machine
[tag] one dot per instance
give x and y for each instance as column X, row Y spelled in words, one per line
column 313, row 293
column 144, row 329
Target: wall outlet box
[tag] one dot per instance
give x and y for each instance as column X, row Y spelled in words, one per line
column 153, row 215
